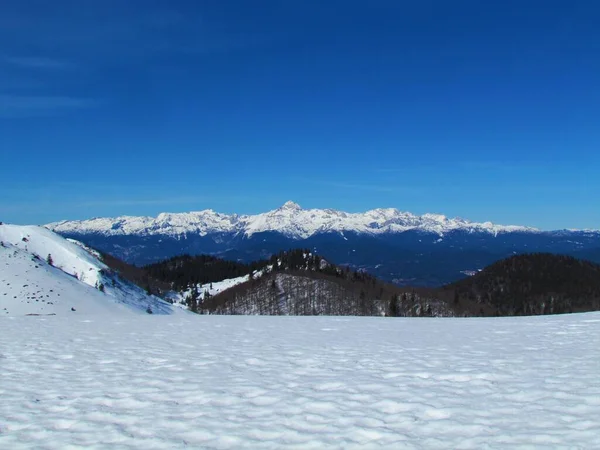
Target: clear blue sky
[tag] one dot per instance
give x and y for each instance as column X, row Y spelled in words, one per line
column 488, row 110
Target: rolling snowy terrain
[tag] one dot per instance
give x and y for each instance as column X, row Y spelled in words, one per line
column 43, row 273
column 163, row 382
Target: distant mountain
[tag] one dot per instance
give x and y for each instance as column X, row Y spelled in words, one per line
column 427, row 250
column 43, row 273
column 290, row 220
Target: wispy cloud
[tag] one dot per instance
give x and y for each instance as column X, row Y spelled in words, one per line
column 37, row 62
column 112, row 31
column 19, row 106
column 50, row 55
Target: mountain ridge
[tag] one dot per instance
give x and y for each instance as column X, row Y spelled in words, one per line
column 427, row 250
column 290, row 220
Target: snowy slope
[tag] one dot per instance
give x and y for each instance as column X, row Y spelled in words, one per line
column 220, row 286
column 76, row 279
column 290, row 220
column 30, row 286
column 309, row 383
column 212, row 289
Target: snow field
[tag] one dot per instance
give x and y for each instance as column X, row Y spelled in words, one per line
column 163, row 382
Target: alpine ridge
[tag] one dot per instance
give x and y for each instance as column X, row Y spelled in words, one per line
column 289, row 220
column 397, row 246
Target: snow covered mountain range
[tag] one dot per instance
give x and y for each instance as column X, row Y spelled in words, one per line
column 42, row 273
column 427, row 250
column 290, row 220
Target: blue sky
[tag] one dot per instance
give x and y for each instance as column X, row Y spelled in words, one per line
column 483, row 110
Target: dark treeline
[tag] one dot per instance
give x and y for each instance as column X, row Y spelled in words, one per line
column 136, row 275
column 531, row 284
column 184, row 271
column 302, row 282
column 311, row 293
column 304, row 259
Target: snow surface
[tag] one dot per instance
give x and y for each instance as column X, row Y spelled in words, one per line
column 299, row 382
column 290, row 220
column 28, row 285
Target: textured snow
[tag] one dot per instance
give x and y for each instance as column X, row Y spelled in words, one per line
column 289, row 382
column 95, row 253
column 28, row 285
column 66, row 255
column 290, row 220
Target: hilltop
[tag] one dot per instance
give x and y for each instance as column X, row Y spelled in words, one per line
column 531, row 284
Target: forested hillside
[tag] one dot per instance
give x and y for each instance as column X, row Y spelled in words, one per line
column 538, row 283
column 301, row 283
column 183, row 271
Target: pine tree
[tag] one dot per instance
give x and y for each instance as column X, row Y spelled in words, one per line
column 192, row 299
column 394, row 306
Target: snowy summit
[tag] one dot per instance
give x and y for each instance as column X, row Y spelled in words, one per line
column 289, row 219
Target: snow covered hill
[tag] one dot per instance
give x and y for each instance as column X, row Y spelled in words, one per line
column 300, row 382
column 290, row 220
column 43, row 273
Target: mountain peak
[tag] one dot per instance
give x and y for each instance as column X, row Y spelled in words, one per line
column 289, row 219
column 290, row 205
